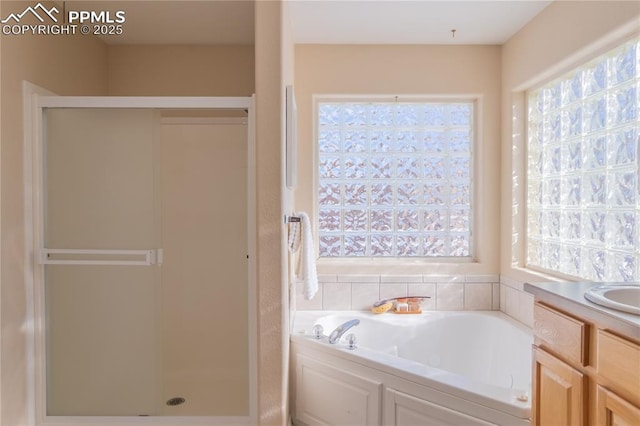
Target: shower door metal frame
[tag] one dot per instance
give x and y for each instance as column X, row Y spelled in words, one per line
column 36, row 100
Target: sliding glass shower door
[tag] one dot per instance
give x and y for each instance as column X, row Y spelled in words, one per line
column 145, row 264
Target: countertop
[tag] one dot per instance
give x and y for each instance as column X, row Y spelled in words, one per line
column 570, row 297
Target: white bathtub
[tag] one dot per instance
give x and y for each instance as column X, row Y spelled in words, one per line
column 458, row 368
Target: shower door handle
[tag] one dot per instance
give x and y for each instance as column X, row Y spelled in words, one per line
column 100, row 257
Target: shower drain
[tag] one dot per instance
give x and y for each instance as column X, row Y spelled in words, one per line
column 178, row 400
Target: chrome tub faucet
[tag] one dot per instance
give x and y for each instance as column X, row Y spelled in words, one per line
column 341, row 329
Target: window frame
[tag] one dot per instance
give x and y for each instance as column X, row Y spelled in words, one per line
column 475, row 174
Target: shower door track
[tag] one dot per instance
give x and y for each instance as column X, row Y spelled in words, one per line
column 36, row 100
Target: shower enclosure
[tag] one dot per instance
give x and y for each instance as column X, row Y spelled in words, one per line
column 142, row 213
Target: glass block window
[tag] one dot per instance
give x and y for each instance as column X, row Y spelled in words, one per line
column 583, row 192
column 394, row 179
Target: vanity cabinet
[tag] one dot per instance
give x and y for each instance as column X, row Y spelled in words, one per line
column 584, row 373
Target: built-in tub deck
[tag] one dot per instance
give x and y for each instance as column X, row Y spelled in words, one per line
column 472, row 367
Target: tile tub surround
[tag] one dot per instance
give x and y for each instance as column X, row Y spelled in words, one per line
column 515, row 302
column 359, row 292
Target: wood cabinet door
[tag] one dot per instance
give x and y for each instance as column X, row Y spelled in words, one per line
column 559, row 392
column 615, row 411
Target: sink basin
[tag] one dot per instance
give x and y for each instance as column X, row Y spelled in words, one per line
column 625, row 298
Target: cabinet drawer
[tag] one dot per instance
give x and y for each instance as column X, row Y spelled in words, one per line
column 562, row 334
column 618, row 360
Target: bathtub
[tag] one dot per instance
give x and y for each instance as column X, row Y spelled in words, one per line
column 457, row 368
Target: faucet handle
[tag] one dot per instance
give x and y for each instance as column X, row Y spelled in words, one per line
column 318, row 331
column 351, row 341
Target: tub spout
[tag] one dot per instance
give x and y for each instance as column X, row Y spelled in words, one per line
column 341, row 329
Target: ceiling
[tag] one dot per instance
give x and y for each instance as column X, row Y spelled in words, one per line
column 320, row 21
column 410, row 21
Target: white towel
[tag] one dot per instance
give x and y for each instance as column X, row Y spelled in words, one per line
column 307, row 270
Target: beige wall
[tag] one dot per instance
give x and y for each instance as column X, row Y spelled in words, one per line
column 563, row 35
column 181, row 70
column 412, row 70
column 67, row 65
column 272, row 297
